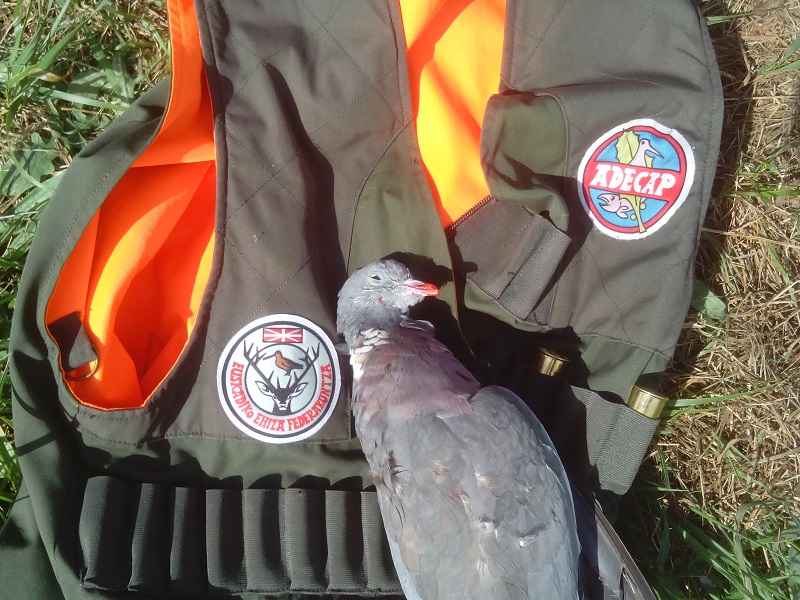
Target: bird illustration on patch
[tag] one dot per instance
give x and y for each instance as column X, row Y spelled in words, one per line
column 287, row 365
column 614, row 203
column 634, row 178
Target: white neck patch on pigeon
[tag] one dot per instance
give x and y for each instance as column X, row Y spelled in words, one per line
column 368, row 339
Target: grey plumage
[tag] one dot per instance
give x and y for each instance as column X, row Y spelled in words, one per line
column 474, row 499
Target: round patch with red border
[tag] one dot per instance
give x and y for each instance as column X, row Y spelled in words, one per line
column 634, row 178
column 278, row 379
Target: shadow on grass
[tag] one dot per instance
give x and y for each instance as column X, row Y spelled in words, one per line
column 736, row 132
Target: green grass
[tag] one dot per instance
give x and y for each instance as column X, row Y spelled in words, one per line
column 690, row 548
column 710, row 515
column 67, row 69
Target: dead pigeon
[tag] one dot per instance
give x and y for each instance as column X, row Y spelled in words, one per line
column 474, row 498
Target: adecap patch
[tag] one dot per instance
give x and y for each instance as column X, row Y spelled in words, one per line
column 278, row 379
column 634, row 178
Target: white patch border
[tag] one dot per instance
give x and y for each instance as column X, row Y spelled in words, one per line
column 335, row 367
column 687, row 185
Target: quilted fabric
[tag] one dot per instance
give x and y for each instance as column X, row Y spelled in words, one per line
column 307, row 100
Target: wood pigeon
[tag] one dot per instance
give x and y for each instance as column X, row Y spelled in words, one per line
column 474, row 498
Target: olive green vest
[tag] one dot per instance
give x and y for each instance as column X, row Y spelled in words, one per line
column 318, row 172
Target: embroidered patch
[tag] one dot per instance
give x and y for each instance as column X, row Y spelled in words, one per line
column 279, row 379
column 634, row 177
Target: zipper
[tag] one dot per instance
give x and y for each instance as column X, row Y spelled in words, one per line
column 450, row 228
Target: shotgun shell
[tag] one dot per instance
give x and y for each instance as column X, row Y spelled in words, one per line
column 646, row 402
column 550, row 363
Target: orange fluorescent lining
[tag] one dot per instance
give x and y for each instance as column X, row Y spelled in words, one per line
column 455, row 50
column 138, row 272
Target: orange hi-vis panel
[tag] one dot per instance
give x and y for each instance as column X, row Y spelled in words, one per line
column 139, row 272
column 455, row 50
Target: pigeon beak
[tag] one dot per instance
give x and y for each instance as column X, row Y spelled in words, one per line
column 419, row 287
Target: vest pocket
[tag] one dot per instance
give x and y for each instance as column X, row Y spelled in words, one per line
column 511, row 255
column 616, row 438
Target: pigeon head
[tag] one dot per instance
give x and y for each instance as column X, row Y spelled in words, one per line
column 378, row 295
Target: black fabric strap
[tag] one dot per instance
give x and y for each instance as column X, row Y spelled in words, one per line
column 511, row 254
column 607, row 570
column 76, row 350
column 159, row 539
column 616, row 437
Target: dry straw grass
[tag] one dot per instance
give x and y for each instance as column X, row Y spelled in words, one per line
column 750, row 256
column 745, row 453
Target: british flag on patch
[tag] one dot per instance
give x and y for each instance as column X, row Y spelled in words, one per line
column 285, row 335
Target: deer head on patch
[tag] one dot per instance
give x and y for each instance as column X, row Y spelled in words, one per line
column 270, row 386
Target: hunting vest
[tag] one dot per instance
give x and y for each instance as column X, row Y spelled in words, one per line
column 181, row 409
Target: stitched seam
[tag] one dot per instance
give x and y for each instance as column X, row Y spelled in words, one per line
column 652, row 280
column 633, row 39
column 372, row 84
column 591, row 67
column 614, row 338
column 357, row 185
column 204, row 12
column 74, row 224
column 355, row 200
column 290, row 159
column 664, row 16
column 716, row 92
column 271, row 176
column 613, row 301
column 397, row 53
column 257, row 309
column 541, row 38
column 604, row 241
column 657, row 276
column 668, row 91
column 262, row 62
column 508, row 58
column 197, row 434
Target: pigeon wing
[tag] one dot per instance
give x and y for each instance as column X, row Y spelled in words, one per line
column 477, row 504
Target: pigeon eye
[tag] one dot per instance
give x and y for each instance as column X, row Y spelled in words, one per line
column 375, row 277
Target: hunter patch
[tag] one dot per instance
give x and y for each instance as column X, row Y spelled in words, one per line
column 633, row 178
column 278, row 379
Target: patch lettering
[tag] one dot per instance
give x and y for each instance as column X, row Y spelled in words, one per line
column 634, row 178
column 278, row 379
